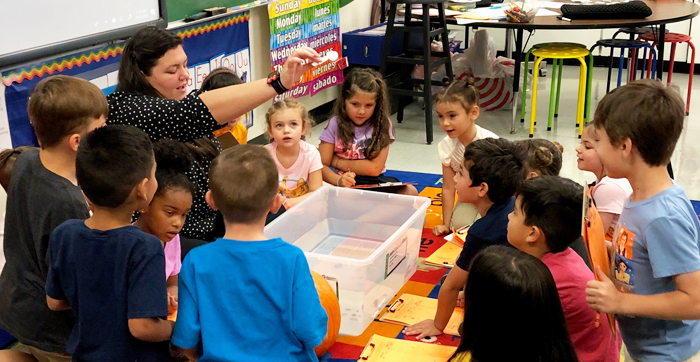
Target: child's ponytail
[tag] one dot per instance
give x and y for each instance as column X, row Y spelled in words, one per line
column 460, row 91
column 541, row 156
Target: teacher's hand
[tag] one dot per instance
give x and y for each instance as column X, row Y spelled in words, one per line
column 298, row 63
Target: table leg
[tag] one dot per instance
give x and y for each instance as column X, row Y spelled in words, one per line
column 509, row 43
column 629, row 62
column 466, row 36
column 516, row 73
column 382, row 15
column 660, row 52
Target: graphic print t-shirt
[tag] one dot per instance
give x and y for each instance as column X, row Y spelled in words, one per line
column 360, row 143
column 655, row 240
column 294, row 181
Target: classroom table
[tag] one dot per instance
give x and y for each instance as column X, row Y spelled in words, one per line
column 663, row 12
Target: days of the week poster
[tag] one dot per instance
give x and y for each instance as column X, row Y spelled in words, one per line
column 312, row 23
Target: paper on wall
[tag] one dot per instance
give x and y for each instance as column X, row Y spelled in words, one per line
column 5, row 139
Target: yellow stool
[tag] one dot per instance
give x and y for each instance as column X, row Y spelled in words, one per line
column 561, row 52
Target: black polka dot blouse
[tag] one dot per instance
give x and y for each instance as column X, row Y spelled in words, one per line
column 184, row 120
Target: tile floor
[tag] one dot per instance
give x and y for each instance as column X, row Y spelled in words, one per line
column 411, row 153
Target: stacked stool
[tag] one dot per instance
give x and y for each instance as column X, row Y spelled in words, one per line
column 674, row 39
column 622, row 44
column 556, row 78
column 559, row 52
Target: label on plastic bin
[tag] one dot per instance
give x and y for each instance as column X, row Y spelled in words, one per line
column 333, row 282
column 395, row 257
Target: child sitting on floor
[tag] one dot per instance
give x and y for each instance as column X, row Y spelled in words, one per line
column 109, row 272
column 457, row 109
column 512, row 299
column 543, row 157
column 608, row 193
column 487, row 180
column 544, row 223
column 356, row 141
column 298, row 163
column 271, row 310
column 165, row 215
column 540, row 157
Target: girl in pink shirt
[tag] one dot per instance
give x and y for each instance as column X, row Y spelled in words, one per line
column 608, row 193
column 299, row 163
column 171, row 203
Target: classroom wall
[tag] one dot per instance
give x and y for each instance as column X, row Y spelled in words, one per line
column 353, row 16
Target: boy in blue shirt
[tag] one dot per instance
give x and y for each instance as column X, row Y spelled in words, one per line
column 110, row 273
column 657, row 238
column 245, row 297
column 488, row 179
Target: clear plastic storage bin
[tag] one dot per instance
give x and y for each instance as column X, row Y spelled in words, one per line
column 364, row 243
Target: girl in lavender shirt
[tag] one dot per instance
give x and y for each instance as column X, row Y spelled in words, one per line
column 355, row 144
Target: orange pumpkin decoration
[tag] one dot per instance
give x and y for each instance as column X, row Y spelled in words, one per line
column 329, row 301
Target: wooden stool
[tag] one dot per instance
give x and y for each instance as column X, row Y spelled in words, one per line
column 427, row 30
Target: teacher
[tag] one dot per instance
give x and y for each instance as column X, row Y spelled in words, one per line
column 151, row 94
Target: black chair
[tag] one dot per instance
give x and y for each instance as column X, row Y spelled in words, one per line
column 428, row 28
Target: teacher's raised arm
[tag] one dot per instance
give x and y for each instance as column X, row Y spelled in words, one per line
column 223, row 102
column 151, row 93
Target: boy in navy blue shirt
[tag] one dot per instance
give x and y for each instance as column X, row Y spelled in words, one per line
column 245, row 297
column 110, row 273
column 488, row 179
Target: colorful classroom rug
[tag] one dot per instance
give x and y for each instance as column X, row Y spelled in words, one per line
column 423, row 283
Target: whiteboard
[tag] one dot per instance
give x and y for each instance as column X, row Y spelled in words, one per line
column 34, row 28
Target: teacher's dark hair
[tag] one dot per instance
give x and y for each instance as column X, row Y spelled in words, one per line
column 140, row 55
column 511, row 296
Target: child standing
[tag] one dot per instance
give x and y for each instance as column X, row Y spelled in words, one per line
column 271, row 310
column 298, row 163
column 109, row 272
column 166, row 214
column 487, row 180
column 608, row 193
column 512, row 297
column 545, row 222
column 43, row 193
column 356, row 140
column 655, row 293
column 457, row 109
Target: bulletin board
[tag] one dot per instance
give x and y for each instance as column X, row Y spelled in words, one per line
column 209, row 45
